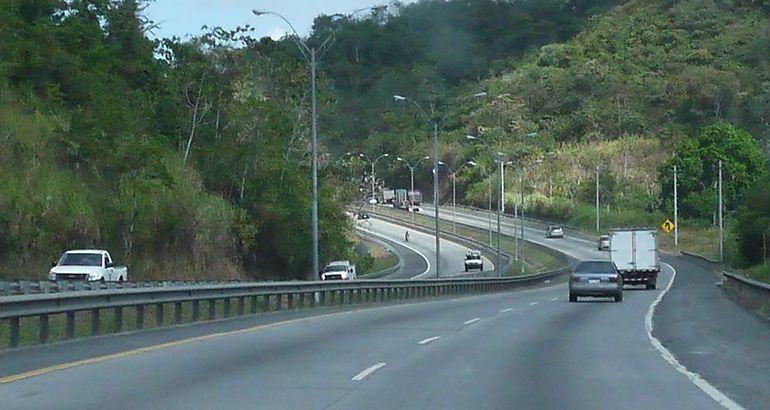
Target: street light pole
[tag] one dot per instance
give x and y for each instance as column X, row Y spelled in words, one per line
column 434, row 123
column 521, row 220
column 436, row 197
column 411, row 174
column 310, row 55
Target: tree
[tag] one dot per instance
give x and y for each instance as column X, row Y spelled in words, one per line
column 743, row 163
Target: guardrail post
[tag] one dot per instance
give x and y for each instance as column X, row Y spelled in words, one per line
column 159, row 315
column 196, row 309
column 13, row 325
column 69, row 326
column 43, row 329
column 301, row 301
column 322, row 298
column 227, row 307
column 212, row 309
column 279, row 301
column 139, row 317
column 95, row 322
column 332, row 297
column 118, row 313
column 177, row 313
column 290, row 301
column 253, row 305
column 241, row 306
column 350, row 293
column 265, row 300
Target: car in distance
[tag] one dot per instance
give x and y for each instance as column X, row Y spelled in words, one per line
column 473, row 260
column 604, row 243
column 339, row 270
column 89, row 265
column 363, row 216
column 554, row 231
column 596, row 278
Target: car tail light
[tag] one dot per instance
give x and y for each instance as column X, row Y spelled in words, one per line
column 575, row 278
column 614, row 279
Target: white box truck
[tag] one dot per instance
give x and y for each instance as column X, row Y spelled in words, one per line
column 635, row 253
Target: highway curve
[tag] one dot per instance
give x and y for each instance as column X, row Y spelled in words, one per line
column 522, row 349
column 420, row 251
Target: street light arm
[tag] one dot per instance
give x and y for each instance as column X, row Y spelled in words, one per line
column 303, row 47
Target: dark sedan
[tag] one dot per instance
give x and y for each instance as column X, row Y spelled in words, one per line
column 596, row 278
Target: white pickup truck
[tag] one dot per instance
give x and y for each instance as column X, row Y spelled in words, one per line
column 90, row 265
column 339, row 270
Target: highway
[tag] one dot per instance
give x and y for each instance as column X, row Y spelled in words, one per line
column 421, row 251
column 523, row 349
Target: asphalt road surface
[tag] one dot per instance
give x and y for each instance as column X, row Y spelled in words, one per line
column 515, row 350
column 422, row 251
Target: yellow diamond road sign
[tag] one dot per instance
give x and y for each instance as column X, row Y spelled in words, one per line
column 667, row 226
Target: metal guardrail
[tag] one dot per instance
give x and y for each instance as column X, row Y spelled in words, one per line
column 249, row 296
column 24, row 287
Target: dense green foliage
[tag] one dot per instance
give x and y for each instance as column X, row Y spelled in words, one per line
column 190, row 158
column 188, row 165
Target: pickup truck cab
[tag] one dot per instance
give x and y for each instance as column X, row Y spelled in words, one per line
column 473, row 260
column 339, row 270
column 89, row 265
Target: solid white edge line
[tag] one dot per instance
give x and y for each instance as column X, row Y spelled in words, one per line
column 428, row 340
column 695, row 378
column 474, row 320
column 366, row 372
column 411, row 248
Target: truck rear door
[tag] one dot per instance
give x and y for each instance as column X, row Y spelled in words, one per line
column 622, row 250
column 646, row 250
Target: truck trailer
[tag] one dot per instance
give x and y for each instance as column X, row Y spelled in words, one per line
column 635, row 253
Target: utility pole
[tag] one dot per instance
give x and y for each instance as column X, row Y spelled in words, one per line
column 597, row 199
column 721, row 220
column 676, row 209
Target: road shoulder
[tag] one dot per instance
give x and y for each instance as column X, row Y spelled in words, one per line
column 713, row 336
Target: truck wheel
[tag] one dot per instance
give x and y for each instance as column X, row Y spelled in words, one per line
column 466, row 269
column 619, row 297
column 482, row 268
column 651, row 284
column 572, row 298
column 120, row 279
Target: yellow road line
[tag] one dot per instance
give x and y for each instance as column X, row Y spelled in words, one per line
column 152, row 348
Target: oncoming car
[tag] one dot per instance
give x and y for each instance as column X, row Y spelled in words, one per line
column 473, row 260
column 596, row 278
